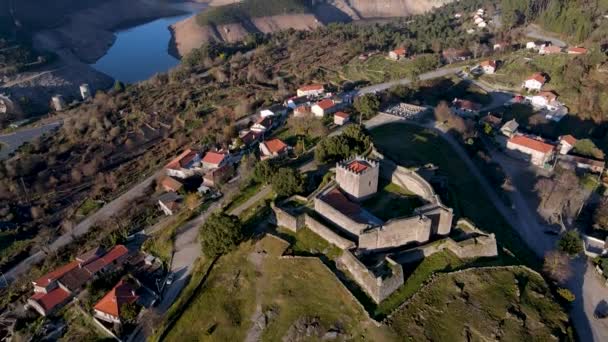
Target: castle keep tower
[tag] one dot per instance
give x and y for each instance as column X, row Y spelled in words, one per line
column 358, row 177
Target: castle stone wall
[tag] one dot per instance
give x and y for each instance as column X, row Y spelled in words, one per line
column 397, row 233
column 480, row 246
column 358, row 185
column 344, row 222
column 407, row 179
column 326, row 233
column 440, row 215
column 285, row 219
column 378, row 288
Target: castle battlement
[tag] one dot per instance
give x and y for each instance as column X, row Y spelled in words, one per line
column 358, row 165
column 358, row 177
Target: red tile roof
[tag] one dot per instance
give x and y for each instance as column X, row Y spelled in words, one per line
column 338, row 201
column 312, row 87
column 181, row 160
column 400, row 51
column 357, row 166
column 171, row 184
column 113, row 301
column 50, row 300
column 532, row 144
column 48, row 278
column 115, row 253
column 552, row 49
column 548, row 95
column 342, row 115
column 569, row 139
column 577, row 50
column 214, row 158
column 275, row 145
column 539, row 77
column 491, row 63
column 325, row 104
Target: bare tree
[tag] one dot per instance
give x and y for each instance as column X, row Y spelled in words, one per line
column 557, row 266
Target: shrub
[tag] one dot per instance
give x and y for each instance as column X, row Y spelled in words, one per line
column 220, row 234
column 566, row 295
column 570, row 243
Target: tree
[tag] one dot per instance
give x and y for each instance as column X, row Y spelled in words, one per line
column 367, row 105
column 566, row 294
column 192, row 200
column 263, row 172
column 220, row 234
column 287, row 182
column 570, row 243
column 600, row 216
column 129, row 311
column 119, row 86
column 557, row 266
column 586, row 147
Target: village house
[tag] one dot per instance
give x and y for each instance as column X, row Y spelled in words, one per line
column 547, row 49
column 566, row 144
column 273, row 148
column 110, row 306
column 531, row 46
column 170, row 184
column 582, row 163
column 185, row 165
column 301, row 111
column 465, row 108
column 491, row 120
column 324, row 107
column 398, row 54
column 509, row 129
column 311, row 90
column 263, row 124
column 341, row 118
column 56, row 288
column 275, row 110
column 295, row 102
column 545, row 99
column 500, row 46
column 452, row 55
column 247, row 138
column 577, row 51
column 535, row 82
column 482, row 24
column 214, row 160
column 488, row 67
column 536, row 151
column 214, row 178
column 169, row 203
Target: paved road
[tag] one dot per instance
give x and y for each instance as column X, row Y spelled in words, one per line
column 536, row 32
column 83, row 227
column 11, row 141
column 426, row 76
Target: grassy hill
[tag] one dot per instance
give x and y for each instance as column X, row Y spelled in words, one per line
column 238, row 12
column 508, row 304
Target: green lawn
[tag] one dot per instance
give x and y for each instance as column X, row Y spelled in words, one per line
column 483, row 304
column 307, row 242
column 289, row 289
column 245, row 194
column 81, row 327
column 412, row 146
column 392, row 201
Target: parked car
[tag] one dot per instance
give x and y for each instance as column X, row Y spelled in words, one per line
column 170, row 279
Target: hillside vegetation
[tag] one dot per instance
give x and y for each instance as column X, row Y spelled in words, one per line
column 243, row 11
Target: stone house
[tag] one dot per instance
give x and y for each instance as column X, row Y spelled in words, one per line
column 509, row 129
column 566, row 144
column 110, row 306
column 341, row 118
column 535, row 82
column 536, row 151
column 185, row 165
column 273, row 148
column 220, row 175
column 311, row 90
column 398, row 54
column 324, row 107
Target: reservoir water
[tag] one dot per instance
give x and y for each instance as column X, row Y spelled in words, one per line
column 142, row 51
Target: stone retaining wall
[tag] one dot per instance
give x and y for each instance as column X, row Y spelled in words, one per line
column 326, row 233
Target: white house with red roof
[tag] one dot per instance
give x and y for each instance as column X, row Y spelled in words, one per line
column 341, row 118
column 263, row 124
column 214, row 159
column 566, row 143
column 323, row 107
column 549, row 49
column 536, row 151
column 545, row 99
column 185, row 165
column 398, row 53
column 535, row 82
column 311, row 90
column 273, row 148
column 488, row 67
column 110, row 307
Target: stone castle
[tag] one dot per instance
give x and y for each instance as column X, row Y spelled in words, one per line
column 340, row 219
